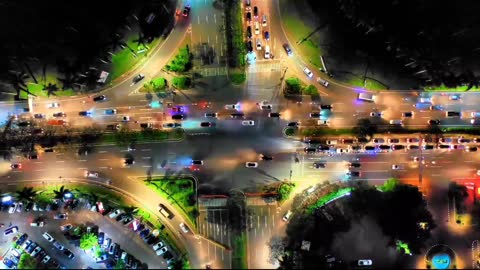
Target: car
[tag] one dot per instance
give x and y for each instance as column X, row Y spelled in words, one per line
column 249, row 46
column 113, row 127
column 66, row 227
column 11, row 230
column 172, row 125
column 433, row 122
column 248, row 17
column 248, row 123
column 59, row 114
column 322, row 148
column 121, row 217
column 417, row 159
column 266, row 34
column 138, row 78
column 178, row 109
column 314, row 115
column 443, row 146
column 319, row 165
column 259, row 44
column 30, row 247
column 39, row 116
column 407, row 114
column 412, row 140
column 237, row 115
column 354, row 165
column 366, row 262
column 287, row 215
column 68, row 253
column 61, row 216
column 310, row 150
column 58, row 246
column 452, row 114
column 115, row 213
column 353, row 174
column 398, row 146
column 454, row 97
column 91, row 174
column 12, row 208
column 349, row 141
column 110, row 111
column 8, row 262
column 211, row 115
column 464, row 140
column 396, row 122
column 293, row 124
column 249, row 32
column 274, row 114
column 255, row 11
column 196, row 162
column 101, row 237
column 125, row 118
column 232, row 107
column 396, row 167
column 378, row 140
column 323, row 82
column 102, row 258
column 264, row 20
column 178, row 117
column 323, row 122
column 393, row 140
column 46, row 259
column 376, row 114
column 48, row 237
column 53, row 105
column 471, row 149
column 36, row 251
column 288, row 50
column 265, row 157
column 308, row 72
column 106, row 243
column 186, row 10
column 326, row 107
column 99, row 98
column 161, row 251
column 158, row 245
column 251, row 164
column 54, row 265
column 19, row 207
column 21, row 239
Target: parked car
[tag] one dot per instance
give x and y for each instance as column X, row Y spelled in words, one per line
column 61, row 216
column 66, row 227
column 68, row 253
column 115, row 213
column 11, row 230
column 161, row 251
column 58, row 246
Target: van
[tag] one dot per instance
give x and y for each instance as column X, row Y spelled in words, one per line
column 267, row 52
column 396, row 122
column 366, row 97
column 257, row 28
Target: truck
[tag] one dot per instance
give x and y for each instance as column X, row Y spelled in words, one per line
column 366, row 97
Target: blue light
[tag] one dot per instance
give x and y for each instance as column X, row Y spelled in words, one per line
column 156, row 104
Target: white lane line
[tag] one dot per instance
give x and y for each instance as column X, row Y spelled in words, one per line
column 39, row 170
column 199, row 19
column 143, row 100
column 206, row 17
column 216, row 38
column 469, row 161
column 82, row 160
column 146, row 166
column 102, row 167
column 376, row 171
column 145, row 117
column 103, row 159
column 208, row 39
column 146, row 157
column 146, row 109
column 38, row 162
column 103, row 151
column 214, row 17
column 82, row 168
column 146, row 150
column 60, row 161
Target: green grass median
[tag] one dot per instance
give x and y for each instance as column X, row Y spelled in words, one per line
column 142, row 136
column 239, row 251
column 180, row 192
column 443, row 88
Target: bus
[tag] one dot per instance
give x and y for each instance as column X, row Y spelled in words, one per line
column 366, row 97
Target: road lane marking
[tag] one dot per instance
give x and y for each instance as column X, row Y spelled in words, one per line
column 199, row 19
column 102, row 159
column 206, row 17
column 146, row 150
column 146, row 157
column 82, row 168
column 82, row 160
column 60, row 161
column 102, row 167
column 39, row 170
column 147, row 166
column 214, row 17
column 103, row 151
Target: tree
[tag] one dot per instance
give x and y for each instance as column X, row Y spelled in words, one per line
column 389, row 185
column 141, row 40
column 51, row 88
column 27, row 262
column 125, row 137
column 293, row 86
column 284, row 191
column 364, row 129
column 277, row 249
column 26, row 194
column 88, row 241
column 182, row 61
column 130, row 210
column 17, row 80
column 156, row 85
column 181, row 82
column 69, row 81
column 60, row 193
column 116, row 42
column 120, row 265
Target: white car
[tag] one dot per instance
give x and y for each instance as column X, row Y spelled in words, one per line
column 264, row 105
column 364, row 262
column 48, row 237
column 231, row 107
column 53, row 105
column 396, row 167
column 264, row 20
column 184, row 228
column 376, row 114
column 308, row 72
column 126, row 118
column 115, row 213
column 157, row 246
column 46, row 259
column 323, row 122
column 91, row 174
column 287, row 216
column 322, row 82
column 251, row 164
column 161, row 251
column 248, row 123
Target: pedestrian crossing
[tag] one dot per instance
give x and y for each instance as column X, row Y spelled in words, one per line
column 214, row 71
column 260, row 67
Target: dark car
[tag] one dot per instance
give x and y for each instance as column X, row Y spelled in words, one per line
column 39, row 116
column 369, row 148
column 148, row 238
column 237, row 115
column 249, row 32
column 22, row 239
column 37, row 131
column 323, row 148
column 274, row 114
column 138, row 78
column 267, row 35
column 407, row 114
column 249, row 46
column 319, row 165
column 100, row 98
column 128, row 161
column 85, row 113
column 354, row 165
column 186, row 10
column 127, row 220
column 384, row 147
column 434, row 122
column 428, row 147
column 326, row 107
column 59, row 114
column 101, row 237
column 287, row 49
column 69, row 254
column 29, row 207
column 211, row 114
column 353, row 174
column 121, row 216
column 266, row 157
column 398, row 147
column 315, row 115
column 207, row 124
column 292, row 124
column 8, row 263
column 249, row 16
column 177, row 117
column 31, row 247
column 443, row 146
column 144, row 233
column 310, row 150
column 453, row 114
column 113, row 127
column 255, row 11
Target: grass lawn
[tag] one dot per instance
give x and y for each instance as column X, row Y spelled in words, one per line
column 239, row 251
column 37, row 89
column 124, row 60
column 155, row 135
column 442, row 87
column 370, row 84
column 325, row 131
column 329, row 198
column 179, row 192
column 297, row 30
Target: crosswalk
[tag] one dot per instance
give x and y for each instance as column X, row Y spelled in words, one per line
column 214, row 71
column 267, row 66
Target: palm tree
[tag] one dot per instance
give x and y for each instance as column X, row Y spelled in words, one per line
column 90, row 79
column 89, row 196
column 17, row 80
column 141, row 40
column 68, row 81
column 116, row 42
column 26, row 194
column 60, row 193
column 51, row 88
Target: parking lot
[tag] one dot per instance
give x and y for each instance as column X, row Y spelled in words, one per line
column 128, row 240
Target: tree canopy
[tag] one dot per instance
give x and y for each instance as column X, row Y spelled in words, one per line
column 88, row 240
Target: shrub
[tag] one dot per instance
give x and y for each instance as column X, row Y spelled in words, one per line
column 181, row 82
column 293, row 85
